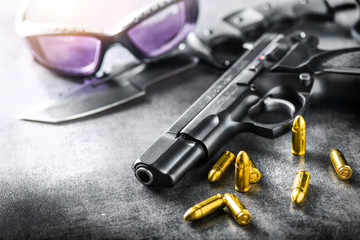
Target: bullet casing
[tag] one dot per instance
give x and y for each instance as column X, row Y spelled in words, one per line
column 341, row 166
column 237, row 209
column 242, row 172
column 255, row 174
column 300, row 186
column 298, row 142
column 204, row 208
column 219, row 168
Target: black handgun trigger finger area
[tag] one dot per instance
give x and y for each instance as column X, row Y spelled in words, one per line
column 276, row 104
column 272, row 110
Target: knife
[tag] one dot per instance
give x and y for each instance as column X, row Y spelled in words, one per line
column 97, row 95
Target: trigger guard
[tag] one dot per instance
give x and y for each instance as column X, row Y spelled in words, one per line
column 270, row 104
column 273, row 104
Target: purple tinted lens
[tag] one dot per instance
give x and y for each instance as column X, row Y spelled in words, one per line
column 161, row 32
column 75, row 55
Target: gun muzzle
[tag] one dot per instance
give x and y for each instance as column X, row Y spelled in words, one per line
column 167, row 160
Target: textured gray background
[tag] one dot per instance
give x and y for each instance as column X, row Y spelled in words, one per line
column 74, row 180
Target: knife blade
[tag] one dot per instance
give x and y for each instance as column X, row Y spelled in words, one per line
column 98, row 95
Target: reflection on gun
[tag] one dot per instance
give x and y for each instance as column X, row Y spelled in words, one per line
column 281, row 74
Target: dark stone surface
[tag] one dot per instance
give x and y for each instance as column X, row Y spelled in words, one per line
column 74, row 180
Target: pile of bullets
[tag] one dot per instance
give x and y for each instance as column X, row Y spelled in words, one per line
column 210, row 205
column 246, row 172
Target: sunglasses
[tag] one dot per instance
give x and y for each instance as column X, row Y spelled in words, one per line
column 78, row 51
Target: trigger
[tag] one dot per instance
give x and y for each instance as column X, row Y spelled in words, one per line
column 276, row 104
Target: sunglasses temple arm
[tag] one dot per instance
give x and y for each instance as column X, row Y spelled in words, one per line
column 177, row 62
column 121, row 70
column 202, row 51
column 195, row 48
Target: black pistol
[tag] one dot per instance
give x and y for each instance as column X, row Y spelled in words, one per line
column 280, row 74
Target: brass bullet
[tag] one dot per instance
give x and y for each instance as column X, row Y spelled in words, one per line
column 242, row 172
column 237, row 209
column 298, row 136
column 204, row 208
column 220, row 166
column 255, row 174
column 300, row 186
column 340, row 164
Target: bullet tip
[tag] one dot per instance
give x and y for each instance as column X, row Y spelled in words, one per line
column 191, row 215
column 214, row 175
column 334, row 150
column 242, row 154
column 242, row 160
column 299, row 123
column 297, row 195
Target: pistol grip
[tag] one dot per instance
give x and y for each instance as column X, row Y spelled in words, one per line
column 335, row 88
column 337, row 76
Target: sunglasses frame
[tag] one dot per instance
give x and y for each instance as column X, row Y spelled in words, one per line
column 30, row 30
